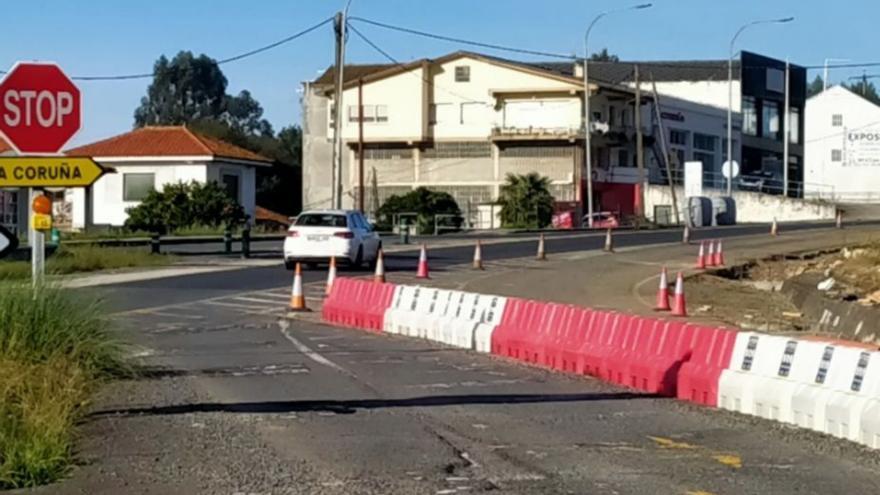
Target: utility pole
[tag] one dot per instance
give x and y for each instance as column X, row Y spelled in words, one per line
column 665, row 151
column 864, row 78
column 785, row 133
column 361, row 192
column 339, row 30
column 640, row 150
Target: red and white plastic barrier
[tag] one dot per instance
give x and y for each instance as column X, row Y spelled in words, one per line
column 829, row 387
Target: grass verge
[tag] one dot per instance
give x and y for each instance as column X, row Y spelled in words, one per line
column 55, row 348
column 81, row 259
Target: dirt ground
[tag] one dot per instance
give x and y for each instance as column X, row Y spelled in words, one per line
column 748, row 296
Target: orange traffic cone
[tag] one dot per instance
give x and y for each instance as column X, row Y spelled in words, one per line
column 710, row 256
column 719, row 255
column 686, row 235
column 663, row 293
column 422, row 271
column 297, row 299
column 542, row 254
column 478, row 256
column 331, row 276
column 609, row 242
column 678, row 303
column 774, row 229
column 701, row 256
column 379, row 276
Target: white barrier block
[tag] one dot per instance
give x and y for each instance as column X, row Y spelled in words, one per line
column 797, row 366
column 404, row 296
column 424, row 321
column 408, row 321
column 844, row 409
column 755, row 356
column 463, row 334
column 449, row 325
column 869, row 431
column 448, row 305
column 484, row 329
column 834, row 372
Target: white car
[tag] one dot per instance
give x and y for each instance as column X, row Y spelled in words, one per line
column 318, row 235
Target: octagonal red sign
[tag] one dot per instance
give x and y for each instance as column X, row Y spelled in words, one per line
column 39, row 108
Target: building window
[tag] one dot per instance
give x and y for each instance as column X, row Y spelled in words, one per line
column 704, row 142
column 837, row 120
column 677, row 137
column 794, row 125
column 230, row 184
column 381, row 113
column 836, row 156
column 770, row 119
column 372, row 113
column 623, row 158
column 462, row 73
column 750, row 116
column 135, row 187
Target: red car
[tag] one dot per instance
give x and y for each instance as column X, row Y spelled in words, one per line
column 602, row 220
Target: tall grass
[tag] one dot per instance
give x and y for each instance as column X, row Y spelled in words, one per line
column 81, row 259
column 54, row 348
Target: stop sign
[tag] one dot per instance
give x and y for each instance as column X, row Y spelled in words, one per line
column 39, row 108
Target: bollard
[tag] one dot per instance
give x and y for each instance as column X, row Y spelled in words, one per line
column 246, row 243
column 404, row 234
column 227, row 241
column 155, row 246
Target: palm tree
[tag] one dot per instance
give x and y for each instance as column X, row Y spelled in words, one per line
column 526, row 201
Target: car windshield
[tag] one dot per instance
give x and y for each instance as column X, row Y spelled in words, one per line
column 321, row 220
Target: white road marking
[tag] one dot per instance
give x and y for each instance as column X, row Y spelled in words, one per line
column 250, row 307
column 284, row 325
column 256, row 300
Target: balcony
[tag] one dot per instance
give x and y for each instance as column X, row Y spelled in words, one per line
column 535, row 133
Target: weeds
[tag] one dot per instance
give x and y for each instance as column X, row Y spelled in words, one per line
column 81, row 259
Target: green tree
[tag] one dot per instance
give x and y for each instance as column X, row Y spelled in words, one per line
column 866, row 89
column 184, row 89
column 604, row 56
column 185, row 205
column 425, row 203
column 526, row 201
column 815, row 87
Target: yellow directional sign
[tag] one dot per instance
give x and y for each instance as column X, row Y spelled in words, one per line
column 48, row 171
column 40, row 221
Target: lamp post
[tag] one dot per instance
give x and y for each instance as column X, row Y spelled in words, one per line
column 587, row 117
column 730, row 93
column 825, row 70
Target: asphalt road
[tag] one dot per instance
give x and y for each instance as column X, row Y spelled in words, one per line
column 240, row 401
column 159, row 292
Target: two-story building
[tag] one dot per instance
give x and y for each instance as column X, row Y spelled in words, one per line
column 460, row 123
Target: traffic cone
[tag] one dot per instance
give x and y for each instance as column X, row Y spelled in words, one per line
column 701, row 256
column 297, row 299
column 710, row 256
column 609, row 242
column 719, row 255
column 422, row 271
column 663, row 293
column 774, row 229
column 542, row 255
column 478, row 256
column 678, row 303
column 686, row 235
column 839, row 220
column 379, row 276
column 331, row 276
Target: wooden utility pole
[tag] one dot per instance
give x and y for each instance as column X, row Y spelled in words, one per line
column 665, row 151
column 640, row 148
column 361, row 191
column 336, row 175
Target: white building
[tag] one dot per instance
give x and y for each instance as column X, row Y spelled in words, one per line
column 151, row 157
column 842, row 147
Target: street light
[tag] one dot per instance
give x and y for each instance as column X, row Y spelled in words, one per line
column 587, row 116
column 730, row 93
column 825, row 71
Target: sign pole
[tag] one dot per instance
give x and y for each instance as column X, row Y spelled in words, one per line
column 38, row 247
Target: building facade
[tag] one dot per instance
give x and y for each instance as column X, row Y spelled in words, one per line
column 149, row 158
column 842, row 147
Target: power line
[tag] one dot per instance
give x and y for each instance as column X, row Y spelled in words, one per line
column 463, row 41
column 403, row 66
column 234, row 58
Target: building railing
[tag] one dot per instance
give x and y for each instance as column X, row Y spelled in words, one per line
column 765, row 185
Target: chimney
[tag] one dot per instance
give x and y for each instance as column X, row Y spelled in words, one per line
column 579, row 69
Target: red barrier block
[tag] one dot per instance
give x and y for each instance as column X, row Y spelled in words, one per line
column 511, row 321
column 698, row 378
column 578, row 336
column 658, row 373
column 357, row 303
column 609, row 361
column 620, row 361
column 562, row 327
column 594, row 350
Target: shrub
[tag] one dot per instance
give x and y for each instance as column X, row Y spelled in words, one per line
column 183, row 205
column 425, row 204
column 526, row 201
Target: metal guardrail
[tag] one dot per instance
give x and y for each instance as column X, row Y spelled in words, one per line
column 156, row 242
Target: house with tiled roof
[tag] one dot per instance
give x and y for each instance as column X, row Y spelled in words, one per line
column 151, row 157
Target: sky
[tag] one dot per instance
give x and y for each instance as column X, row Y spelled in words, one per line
column 111, row 37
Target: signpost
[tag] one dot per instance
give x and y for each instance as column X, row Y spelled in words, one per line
column 40, row 111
